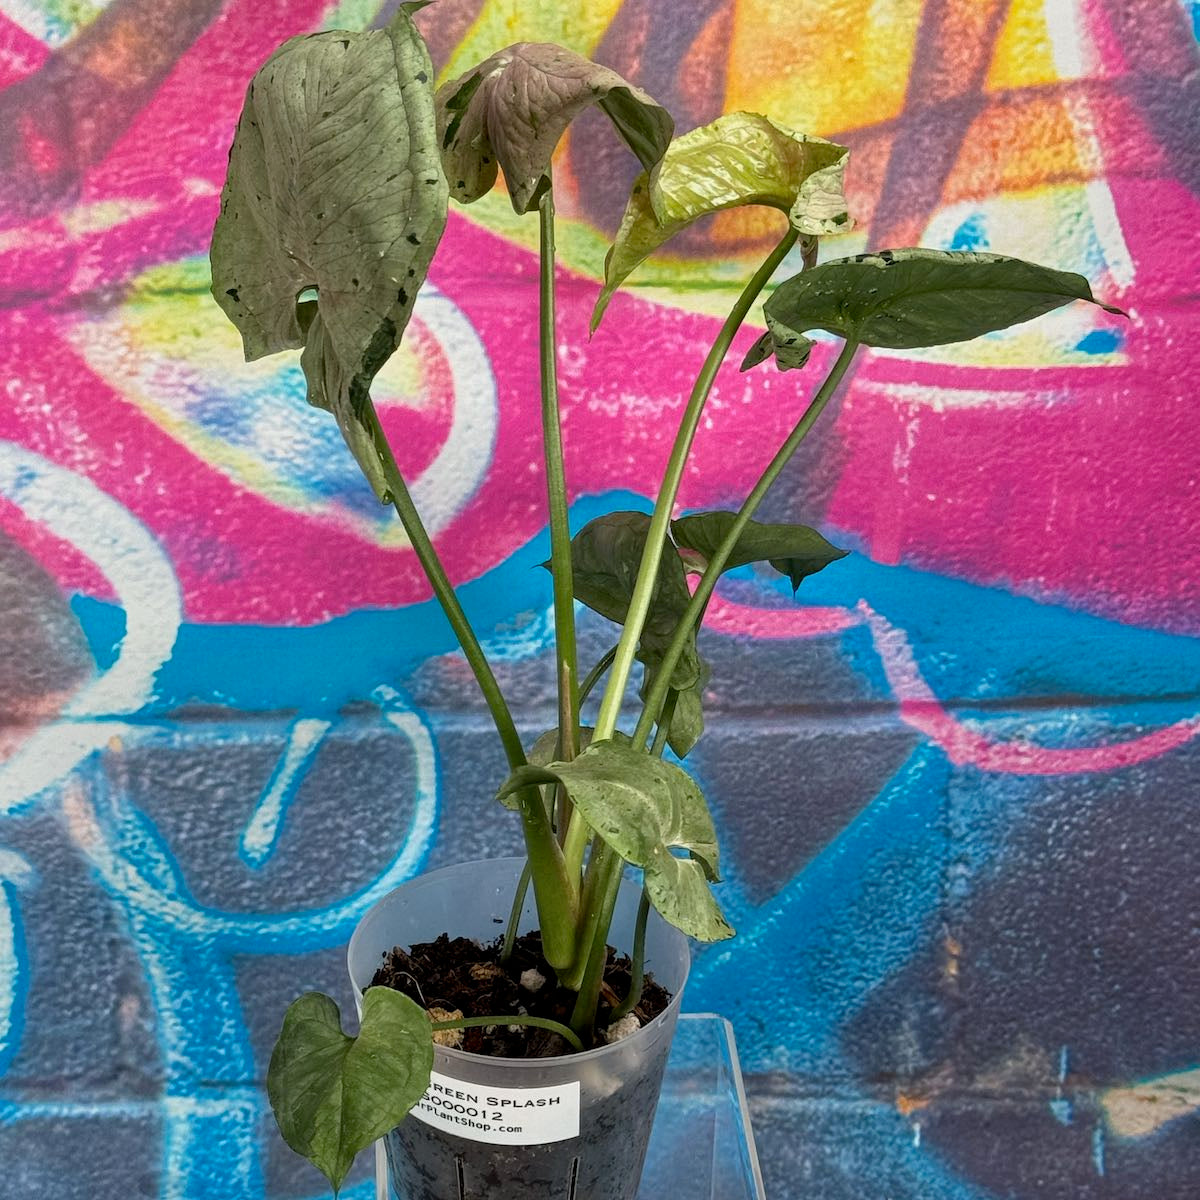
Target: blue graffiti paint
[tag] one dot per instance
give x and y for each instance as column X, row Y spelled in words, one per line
column 319, row 669
column 972, row 234
column 1008, row 645
column 103, row 626
column 871, row 897
column 1100, row 341
column 987, row 644
column 14, row 987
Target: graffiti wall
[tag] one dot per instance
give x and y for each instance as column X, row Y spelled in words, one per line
column 957, row 783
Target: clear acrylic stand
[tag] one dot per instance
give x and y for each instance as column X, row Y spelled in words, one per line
column 702, row 1146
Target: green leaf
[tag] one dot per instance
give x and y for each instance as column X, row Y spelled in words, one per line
column 793, row 550
column 644, row 808
column 605, row 556
column 740, row 158
column 334, row 183
column 511, row 111
column 905, row 299
column 332, row 1094
column 791, row 351
column 687, row 717
column 543, row 752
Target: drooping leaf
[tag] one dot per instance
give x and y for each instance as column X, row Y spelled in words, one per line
column 791, row 351
column 333, row 1094
column 644, row 808
column 740, row 158
column 905, row 299
column 687, row 718
column 512, row 109
column 678, row 889
column 793, row 550
column 334, row 183
column 605, row 556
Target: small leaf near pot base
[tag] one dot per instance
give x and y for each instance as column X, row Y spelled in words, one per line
column 333, row 1094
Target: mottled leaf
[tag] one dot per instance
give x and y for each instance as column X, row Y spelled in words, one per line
column 793, row 550
column 740, row 158
column 333, row 1094
column 644, row 808
column 791, row 351
column 511, row 111
column 905, row 299
column 543, row 752
column 334, row 184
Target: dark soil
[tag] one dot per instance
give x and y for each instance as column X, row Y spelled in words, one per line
column 462, row 974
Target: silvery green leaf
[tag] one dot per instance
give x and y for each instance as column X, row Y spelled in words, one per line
column 333, row 1094
column 512, row 109
column 740, row 158
column 905, row 299
column 334, row 184
column 644, row 808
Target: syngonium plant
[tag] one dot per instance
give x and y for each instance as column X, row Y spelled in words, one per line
column 336, row 198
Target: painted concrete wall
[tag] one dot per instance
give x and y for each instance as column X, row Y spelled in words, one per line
column 958, row 787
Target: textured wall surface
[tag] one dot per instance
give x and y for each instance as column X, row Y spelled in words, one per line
column 957, row 786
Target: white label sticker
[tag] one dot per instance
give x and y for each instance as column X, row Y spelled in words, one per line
column 504, row 1116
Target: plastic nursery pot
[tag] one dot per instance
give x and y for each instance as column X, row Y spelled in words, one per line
column 568, row 1128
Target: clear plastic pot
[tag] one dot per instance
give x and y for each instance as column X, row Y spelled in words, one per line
column 568, row 1128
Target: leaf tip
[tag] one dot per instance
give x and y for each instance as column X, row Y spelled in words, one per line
column 758, row 353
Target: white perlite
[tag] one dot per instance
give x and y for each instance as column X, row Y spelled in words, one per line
column 533, row 980
column 622, row 1029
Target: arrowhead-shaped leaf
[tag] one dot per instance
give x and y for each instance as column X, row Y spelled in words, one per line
column 740, row 158
column 333, row 1095
column 605, row 556
column 643, row 808
column 793, row 550
column 513, row 108
column 905, row 299
column 334, row 183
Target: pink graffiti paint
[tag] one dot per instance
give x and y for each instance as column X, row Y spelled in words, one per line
column 1060, row 482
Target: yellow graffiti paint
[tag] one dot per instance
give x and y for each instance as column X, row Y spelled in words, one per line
column 502, row 22
column 824, row 66
column 1024, row 56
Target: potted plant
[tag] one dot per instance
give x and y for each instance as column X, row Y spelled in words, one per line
column 339, row 179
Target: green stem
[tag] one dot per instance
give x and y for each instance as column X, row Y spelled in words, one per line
column 594, row 676
column 637, row 969
column 716, row 564
column 541, row 1022
column 595, row 937
column 514, row 914
column 656, row 536
column 575, row 844
column 664, row 723
column 557, row 894
column 556, row 488
column 603, row 858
